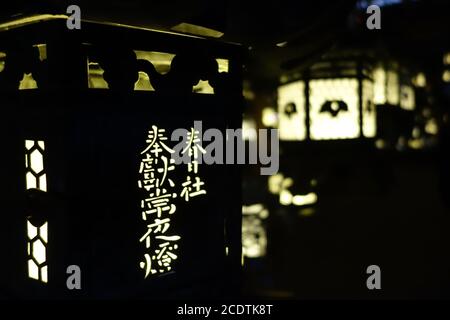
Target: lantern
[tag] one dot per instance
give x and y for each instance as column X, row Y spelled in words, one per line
column 88, row 179
column 331, row 100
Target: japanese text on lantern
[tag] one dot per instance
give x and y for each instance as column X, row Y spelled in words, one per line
column 159, row 205
column 193, row 186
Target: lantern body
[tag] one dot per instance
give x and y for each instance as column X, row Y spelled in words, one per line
column 78, row 158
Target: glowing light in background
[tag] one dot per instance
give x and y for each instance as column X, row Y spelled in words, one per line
column 254, row 234
column 291, row 111
column 408, row 98
column 275, row 183
column 446, row 76
column 379, row 76
column 285, row 197
column 431, row 127
column 420, row 80
column 197, row 30
column 37, row 236
column 269, row 117
column 304, row 200
column 369, row 115
column 392, row 88
column 380, row 144
column 279, row 185
column 446, row 59
column 341, row 123
column 387, row 86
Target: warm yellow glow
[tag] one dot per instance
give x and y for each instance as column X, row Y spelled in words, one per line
column 285, row 197
column 28, row 82
column 380, row 144
column 223, row 65
column 264, row 214
column 2, row 61
column 29, row 20
column 392, row 88
column 307, row 212
column 446, row 76
column 203, row 86
column 416, row 133
column 197, row 30
column 416, row 143
column 160, row 60
column 326, row 125
column 408, row 98
column 95, row 76
column 379, row 76
column 252, row 209
column 42, row 51
column 159, row 199
column 269, row 117
column 431, row 127
column 291, row 111
column 446, row 59
column 420, row 80
column 386, row 86
column 287, row 182
column 303, row 200
column 274, row 183
column 369, row 128
column 254, row 236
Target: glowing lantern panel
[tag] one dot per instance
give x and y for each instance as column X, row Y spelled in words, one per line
column 291, row 111
column 334, row 110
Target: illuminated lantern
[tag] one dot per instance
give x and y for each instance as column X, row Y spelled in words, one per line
column 395, row 100
column 88, row 178
column 332, row 100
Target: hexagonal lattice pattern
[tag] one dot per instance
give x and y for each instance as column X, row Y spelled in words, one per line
column 37, row 256
column 37, row 161
column 39, row 251
column 36, row 178
column 34, row 160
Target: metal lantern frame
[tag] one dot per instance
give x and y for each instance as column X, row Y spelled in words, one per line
column 91, row 141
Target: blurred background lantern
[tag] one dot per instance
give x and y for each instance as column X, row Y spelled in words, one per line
column 333, row 99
